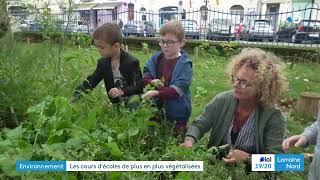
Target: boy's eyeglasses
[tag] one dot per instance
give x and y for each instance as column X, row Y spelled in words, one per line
column 168, row 43
column 242, row 82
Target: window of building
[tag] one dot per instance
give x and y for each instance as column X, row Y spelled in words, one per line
column 204, row 12
column 18, row 10
column 168, row 13
column 84, row 15
column 183, row 15
column 237, row 10
column 143, row 9
column 130, row 11
column 143, row 15
column 114, row 14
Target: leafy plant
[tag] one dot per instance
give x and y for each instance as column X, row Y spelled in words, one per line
column 200, row 92
column 145, row 48
column 81, row 40
column 51, row 128
column 229, row 49
column 206, row 49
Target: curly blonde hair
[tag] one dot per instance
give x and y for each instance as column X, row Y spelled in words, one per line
column 269, row 79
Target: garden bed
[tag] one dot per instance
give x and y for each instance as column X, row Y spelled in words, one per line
column 38, row 81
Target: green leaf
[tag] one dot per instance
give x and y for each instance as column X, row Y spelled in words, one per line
column 55, row 150
column 110, row 139
column 96, row 134
column 25, row 153
column 23, row 144
column 133, row 131
column 76, row 132
column 16, row 133
column 8, row 165
column 63, row 108
column 5, row 145
column 73, row 142
column 135, row 99
column 56, row 137
column 69, row 58
column 121, row 136
column 90, row 121
column 44, row 108
column 115, row 175
column 62, row 124
column 115, row 151
column 183, row 176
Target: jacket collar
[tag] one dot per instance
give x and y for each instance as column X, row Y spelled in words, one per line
column 183, row 58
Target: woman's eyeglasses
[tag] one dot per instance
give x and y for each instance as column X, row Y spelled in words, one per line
column 242, row 82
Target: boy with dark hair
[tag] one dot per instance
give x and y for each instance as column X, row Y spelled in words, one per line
column 170, row 71
column 119, row 70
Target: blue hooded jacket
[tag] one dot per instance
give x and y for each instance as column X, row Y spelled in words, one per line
column 177, row 109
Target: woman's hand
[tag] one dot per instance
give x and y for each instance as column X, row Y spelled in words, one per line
column 235, row 155
column 187, row 143
column 296, row 140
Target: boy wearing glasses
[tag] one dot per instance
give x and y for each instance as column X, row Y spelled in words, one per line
column 170, row 72
column 119, row 70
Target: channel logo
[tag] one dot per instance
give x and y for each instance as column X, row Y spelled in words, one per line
column 277, row 162
column 262, row 162
column 265, row 159
column 296, row 19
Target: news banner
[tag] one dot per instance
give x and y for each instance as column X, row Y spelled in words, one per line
column 259, row 162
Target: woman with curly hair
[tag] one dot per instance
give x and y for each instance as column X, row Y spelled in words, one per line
column 245, row 117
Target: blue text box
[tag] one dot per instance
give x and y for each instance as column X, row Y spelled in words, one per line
column 23, row 166
column 289, row 162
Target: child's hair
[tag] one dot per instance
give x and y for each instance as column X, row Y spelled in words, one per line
column 175, row 28
column 109, row 32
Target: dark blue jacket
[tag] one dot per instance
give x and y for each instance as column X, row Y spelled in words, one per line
column 178, row 109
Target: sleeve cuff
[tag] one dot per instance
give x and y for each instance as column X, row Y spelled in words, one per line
column 309, row 137
column 179, row 91
column 190, row 138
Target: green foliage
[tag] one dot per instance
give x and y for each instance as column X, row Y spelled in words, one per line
column 24, row 35
column 229, row 49
column 81, row 40
column 55, row 131
column 208, row 50
column 4, row 19
column 200, row 92
column 3, row 29
column 51, row 128
column 145, row 47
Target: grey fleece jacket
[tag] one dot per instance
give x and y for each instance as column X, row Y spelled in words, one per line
column 313, row 135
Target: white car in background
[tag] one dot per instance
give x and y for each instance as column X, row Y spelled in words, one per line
column 191, row 28
column 25, row 24
column 221, row 29
column 74, row 27
column 261, row 29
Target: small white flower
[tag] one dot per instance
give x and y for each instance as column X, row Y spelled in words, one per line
column 297, row 78
column 306, row 80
